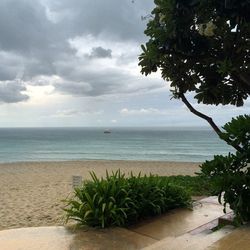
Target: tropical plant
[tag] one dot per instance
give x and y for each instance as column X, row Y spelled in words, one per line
column 230, row 175
column 203, row 47
column 118, row 200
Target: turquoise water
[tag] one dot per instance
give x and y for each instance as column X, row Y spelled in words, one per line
column 57, row 144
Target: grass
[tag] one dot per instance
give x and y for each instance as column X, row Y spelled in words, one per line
column 194, row 185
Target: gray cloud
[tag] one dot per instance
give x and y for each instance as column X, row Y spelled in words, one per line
column 73, row 88
column 22, row 25
column 35, row 39
column 11, row 92
column 28, row 34
column 12, row 65
column 99, row 52
column 82, row 80
column 120, row 19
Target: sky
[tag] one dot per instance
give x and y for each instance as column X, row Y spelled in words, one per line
column 75, row 63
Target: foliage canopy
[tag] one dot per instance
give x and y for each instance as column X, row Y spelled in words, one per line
column 201, row 46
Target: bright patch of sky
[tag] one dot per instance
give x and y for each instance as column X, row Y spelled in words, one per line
column 75, row 63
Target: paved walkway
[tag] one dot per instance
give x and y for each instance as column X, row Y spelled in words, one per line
column 178, row 229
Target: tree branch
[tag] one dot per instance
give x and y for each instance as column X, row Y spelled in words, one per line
column 208, row 119
column 201, row 115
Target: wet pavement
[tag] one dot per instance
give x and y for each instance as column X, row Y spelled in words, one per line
column 61, row 238
column 179, row 229
column 239, row 239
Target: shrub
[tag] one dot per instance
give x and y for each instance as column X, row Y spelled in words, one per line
column 119, row 200
column 230, row 175
column 194, row 185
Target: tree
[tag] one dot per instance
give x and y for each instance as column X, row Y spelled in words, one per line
column 203, row 47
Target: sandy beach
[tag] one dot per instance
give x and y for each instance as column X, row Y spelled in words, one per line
column 31, row 193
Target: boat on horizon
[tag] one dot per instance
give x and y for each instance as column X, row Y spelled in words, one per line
column 107, row 131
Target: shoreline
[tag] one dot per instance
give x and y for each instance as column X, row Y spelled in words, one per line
column 31, row 193
column 96, row 160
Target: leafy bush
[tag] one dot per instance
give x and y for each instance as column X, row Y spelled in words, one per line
column 230, row 175
column 194, row 185
column 119, row 200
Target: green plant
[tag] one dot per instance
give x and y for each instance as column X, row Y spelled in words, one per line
column 194, row 185
column 101, row 202
column 118, row 200
column 230, row 175
column 155, row 195
column 203, row 47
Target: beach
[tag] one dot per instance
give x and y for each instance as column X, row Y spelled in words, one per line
column 31, row 193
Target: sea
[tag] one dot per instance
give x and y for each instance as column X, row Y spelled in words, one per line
column 150, row 144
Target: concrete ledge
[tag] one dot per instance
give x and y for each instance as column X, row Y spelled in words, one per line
column 61, row 238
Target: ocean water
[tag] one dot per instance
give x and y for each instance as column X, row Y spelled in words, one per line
column 58, row 144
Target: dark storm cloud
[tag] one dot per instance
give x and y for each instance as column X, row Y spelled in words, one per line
column 117, row 18
column 25, row 29
column 35, row 37
column 11, row 64
column 26, row 32
column 11, row 92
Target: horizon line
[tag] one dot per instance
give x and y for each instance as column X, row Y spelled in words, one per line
column 105, row 127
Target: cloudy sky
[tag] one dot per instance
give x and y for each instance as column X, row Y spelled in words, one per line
column 75, row 63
